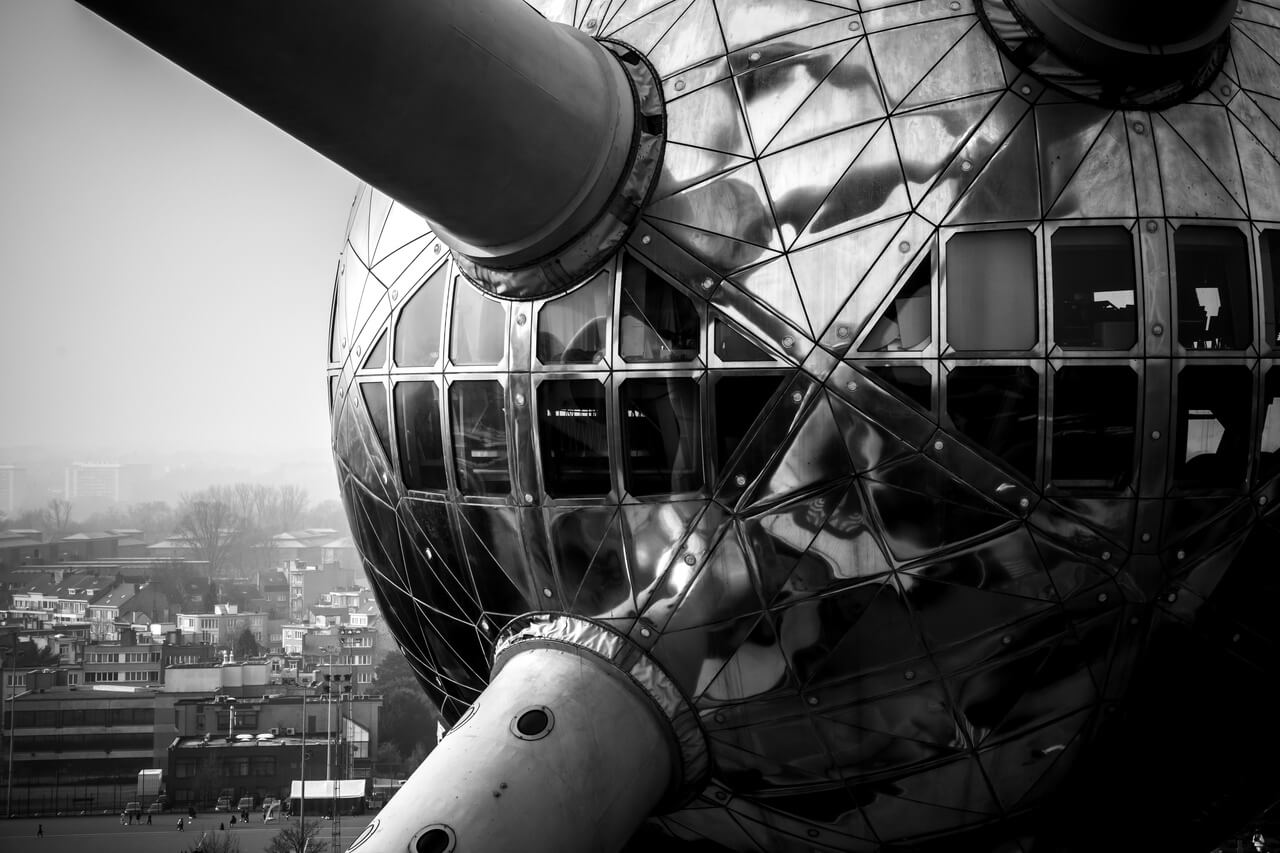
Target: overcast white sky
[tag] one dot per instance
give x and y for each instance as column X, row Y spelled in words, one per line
column 168, row 256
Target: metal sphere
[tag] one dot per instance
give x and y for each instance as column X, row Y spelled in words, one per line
column 922, row 436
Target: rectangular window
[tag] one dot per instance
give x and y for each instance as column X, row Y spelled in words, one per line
column 419, row 436
column 1269, row 460
column 661, row 436
column 1094, row 289
column 1213, row 426
column 1269, row 242
column 991, row 291
column 479, row 429
column 1212, row 268
column 574, row 438
column 479, row 326
column 997, row 406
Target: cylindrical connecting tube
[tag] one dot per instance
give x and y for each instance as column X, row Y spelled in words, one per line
column 560, row 754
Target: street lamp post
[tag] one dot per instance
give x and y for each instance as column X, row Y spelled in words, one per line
column 302, row 799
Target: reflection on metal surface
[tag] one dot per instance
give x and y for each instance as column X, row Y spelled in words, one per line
column 918, row 453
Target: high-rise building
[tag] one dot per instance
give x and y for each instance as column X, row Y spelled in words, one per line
column 12, row 489
column 101, row 484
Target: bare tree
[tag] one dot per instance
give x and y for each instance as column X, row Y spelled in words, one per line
column 56, row 518
column 292, row 506
column 291, row 839
column 209, row 521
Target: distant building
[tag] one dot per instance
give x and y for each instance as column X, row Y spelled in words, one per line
column 224, row 625
column 90, row 486
column 13, row 482
column 307, row 583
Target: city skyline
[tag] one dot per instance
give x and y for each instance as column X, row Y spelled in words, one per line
column 170, row 255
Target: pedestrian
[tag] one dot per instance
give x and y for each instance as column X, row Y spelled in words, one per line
column 179, row 824
column 222, row 827
column 40, row 830
column 233, row 821
column 148, row 818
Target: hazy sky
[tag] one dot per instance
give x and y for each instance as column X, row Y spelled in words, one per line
column 168, row 256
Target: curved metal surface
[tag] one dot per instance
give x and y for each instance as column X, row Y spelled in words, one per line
column 928, row 576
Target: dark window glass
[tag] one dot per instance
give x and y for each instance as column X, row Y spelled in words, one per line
column 905, row 324
column 375, row 400
column 656, row 321
column 377, row 357
column 479, row 326
column 1094, row 291
column 991, row 290
column 732, row 345
column 1095, row 411
column 418, row 329
column 572, row 329
column 1213, row 426
column 478, row 418
column 1269, row 462
column 1213, row 288
column 333, row 390
column 574, row 437
column 739, row 400
column 660, row 435
column 911, row 380
column 418, row 432
column 1270, row 243
column 996, row 406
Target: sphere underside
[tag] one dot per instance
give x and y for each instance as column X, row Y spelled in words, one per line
column 922, row 434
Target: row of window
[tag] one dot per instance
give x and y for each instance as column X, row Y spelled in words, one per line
column 1093, row 419
column 96, row 742
column 1093, row 304
column 1092, row 277
column 122, row 657
column 259, row 765
column 144, row 676
column 68, row 717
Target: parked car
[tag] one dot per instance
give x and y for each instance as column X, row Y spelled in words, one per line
column 133, row 808
column 158, row 807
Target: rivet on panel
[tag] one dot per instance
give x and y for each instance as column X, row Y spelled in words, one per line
column 966, row 165
column 1226, row 91
column 1152, row 225
column 740, row 480
column 854, row 26
column 955, row 6
column 1235, row 638
column 680, row 84
column 1024, row 502
column 1262, row 500
column 1025, row 89
column 904, row 246
column 720, row 795
column 842, row 332
column 519, row 399
column 813, row 833
column 909, row 675
column 1134, row 620
column 591, row 24
column 689, row 559
column 1181, row 555
column 521, row 319
column 395, row 294
column 1102, row 597
column 1106, row 555
column 707, row 284
column 796, row 396
column 436, row 248
column 719, row 718
column 1006, row 639
column 357, row 349
column 344, row 342
column 646, row 239
column 754, row 57
column 851, row 385
column 1171, row 597
column 1139, row 128
column 812, row 700
column 1157, row 329
column 788, row 342
column 938, row 445
column 645, row 632
column 546, row 592
column 1155, row 435
column 1146, row 537
column 528, row 498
